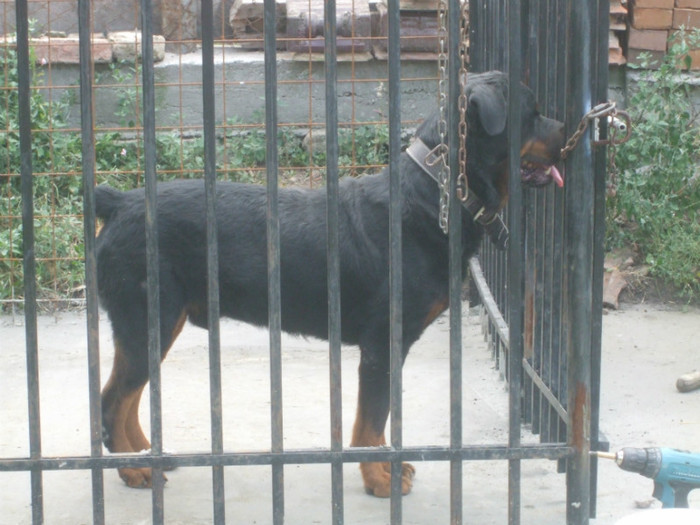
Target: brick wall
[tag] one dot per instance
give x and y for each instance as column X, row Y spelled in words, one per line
column 653, row 24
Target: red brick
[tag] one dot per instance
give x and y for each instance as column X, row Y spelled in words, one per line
column 686, row 17
column 690, row 4
column 615, row 57
column 648, row 39
column 652, row 18
column 661, row 4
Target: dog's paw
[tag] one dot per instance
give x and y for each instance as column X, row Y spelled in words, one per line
column 138, row 478
column 377, row 478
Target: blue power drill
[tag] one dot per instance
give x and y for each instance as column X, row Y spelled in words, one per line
column 675, row 472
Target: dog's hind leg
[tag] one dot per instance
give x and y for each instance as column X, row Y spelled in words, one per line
column 370, row 421
column 132, row 427
column 121, row 395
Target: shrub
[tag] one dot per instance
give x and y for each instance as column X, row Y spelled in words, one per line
column 655, row 206
column 56, row 163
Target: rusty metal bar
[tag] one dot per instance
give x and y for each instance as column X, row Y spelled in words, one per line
column 456, row 263
column 28, row 256
column 152, row 264
column 333, row 257
column 213, row 308
column 273, row 260
column 93, row 316
column 293, row 456
column 515, row 257
column 579, row 235
column 395, row 259
column 600, row 29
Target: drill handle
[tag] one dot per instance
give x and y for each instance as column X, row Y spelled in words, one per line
column 672, row 495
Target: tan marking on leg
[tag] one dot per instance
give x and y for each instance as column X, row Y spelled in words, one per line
column 436, row 309
column 133, row 477
column 142, row 477
column 377, row 475
column 119, row 408
column 133, row 428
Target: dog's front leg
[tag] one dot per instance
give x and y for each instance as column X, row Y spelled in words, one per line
column 372, row 413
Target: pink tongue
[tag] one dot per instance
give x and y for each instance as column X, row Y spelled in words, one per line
column 556, row 176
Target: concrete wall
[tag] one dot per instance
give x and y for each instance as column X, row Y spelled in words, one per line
column 362, row 95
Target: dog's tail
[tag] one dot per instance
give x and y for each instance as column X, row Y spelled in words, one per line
column 107, row 202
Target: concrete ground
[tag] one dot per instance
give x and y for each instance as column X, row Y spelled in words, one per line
column 645, row 349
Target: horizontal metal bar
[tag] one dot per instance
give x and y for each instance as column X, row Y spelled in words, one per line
column 544, row 390
column 296, row 457
column 489, row 302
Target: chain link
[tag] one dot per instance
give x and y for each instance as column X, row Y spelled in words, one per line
column 462, row 183
column 619, row 122
column 440, row 152
column 606, row 109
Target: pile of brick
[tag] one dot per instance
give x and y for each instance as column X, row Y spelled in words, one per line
column 618, row 31
column 61, row 48
column 654, row 22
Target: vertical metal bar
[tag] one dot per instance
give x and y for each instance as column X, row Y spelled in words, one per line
column 209, row 116
column 579, row 233
column 600, row 29
column 395, row 257
column 515, row 251
column 475, row 35
column 93, row 334
column 28, row 256
column 333, row 257
column 454, row 235
column 559, row 246
column 152, row 265
column 273, row 258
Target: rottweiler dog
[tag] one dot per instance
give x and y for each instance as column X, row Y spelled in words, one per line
column 364, row 261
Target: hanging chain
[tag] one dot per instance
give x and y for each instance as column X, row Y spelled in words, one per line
column 462, row 183
column 439, row 154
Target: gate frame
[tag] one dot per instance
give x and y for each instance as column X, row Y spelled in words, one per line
column 584, row 199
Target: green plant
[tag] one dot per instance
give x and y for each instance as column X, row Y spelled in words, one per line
column 57, row 164
column 655, row 206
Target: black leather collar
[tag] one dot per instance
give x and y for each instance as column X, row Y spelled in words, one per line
column 491, row 221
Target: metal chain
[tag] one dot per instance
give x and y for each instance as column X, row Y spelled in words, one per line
column 440, row 152
column 606, row 109
column 619, row 122
column 462, row 183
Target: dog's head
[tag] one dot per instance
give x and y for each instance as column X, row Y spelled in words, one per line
column 487, row 139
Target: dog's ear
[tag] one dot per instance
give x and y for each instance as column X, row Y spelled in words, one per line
column 490, row 106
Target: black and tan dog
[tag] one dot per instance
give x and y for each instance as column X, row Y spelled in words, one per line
column 364, row 256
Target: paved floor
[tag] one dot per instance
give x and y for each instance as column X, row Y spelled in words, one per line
column 645, row 350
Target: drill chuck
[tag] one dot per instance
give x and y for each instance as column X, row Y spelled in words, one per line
column 644, row 461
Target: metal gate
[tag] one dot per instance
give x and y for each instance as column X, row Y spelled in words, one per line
column 542, row 298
